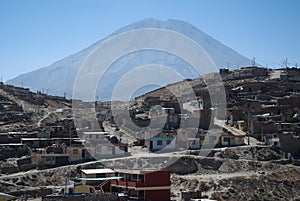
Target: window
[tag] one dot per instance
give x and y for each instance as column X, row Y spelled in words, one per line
column 194, row 142
column 47, row 158
column 169, row 141
column 141, row 178
column 226, row 139
column 141, row 193
column 127, row 177
column 134, row 177
column 159, row 142
column 75, row 151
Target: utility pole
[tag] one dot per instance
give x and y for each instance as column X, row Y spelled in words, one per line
column 253, row 61
column 248, row 125
column 70, row 135
column 262, row 132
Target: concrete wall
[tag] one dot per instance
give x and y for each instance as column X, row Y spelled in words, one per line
column 88, row 197
column 234, row 141
column 187, row 196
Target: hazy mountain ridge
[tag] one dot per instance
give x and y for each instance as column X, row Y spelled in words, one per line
column 59, row 77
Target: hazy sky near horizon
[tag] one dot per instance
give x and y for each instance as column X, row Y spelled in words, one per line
column 36, row 33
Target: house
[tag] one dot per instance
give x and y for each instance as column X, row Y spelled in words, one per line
column 96, row 173
column 15, row 137
column 43, row 160
column 105, row 144
column 13, row 150
column 78, row 152
column 198, row 138
column 198, row 119
column 91, row 181
column 94, row 135
column 290, row 143
column 159, row 114
column 60, row 154
column 204, row 140
column 44, row 142
column 144, row 185
column 163, row 140
column 232, row 137
column 50, row 156
column 111, row 150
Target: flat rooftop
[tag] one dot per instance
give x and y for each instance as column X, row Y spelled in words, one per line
column 135, row 171
column 97, row 171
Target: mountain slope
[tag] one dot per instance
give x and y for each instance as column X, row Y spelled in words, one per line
column 59, row 77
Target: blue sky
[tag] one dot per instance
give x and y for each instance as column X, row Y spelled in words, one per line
column 36, row 33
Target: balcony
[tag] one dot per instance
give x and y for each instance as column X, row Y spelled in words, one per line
column 129, row 184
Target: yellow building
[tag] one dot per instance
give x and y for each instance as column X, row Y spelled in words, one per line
column 92, row 181
column 79, row 152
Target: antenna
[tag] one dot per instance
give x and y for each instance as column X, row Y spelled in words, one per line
column 285, row 63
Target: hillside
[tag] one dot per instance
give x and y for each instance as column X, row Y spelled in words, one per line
column 222, row 175
column 265, row 101
column 21, row 109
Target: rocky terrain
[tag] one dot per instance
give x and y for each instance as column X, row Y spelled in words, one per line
column 23, row 110
column 236, row 173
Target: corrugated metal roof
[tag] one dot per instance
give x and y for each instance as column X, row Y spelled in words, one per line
column 6, row 195
column 135, row 171
column 96, row 179
column 97, row 171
